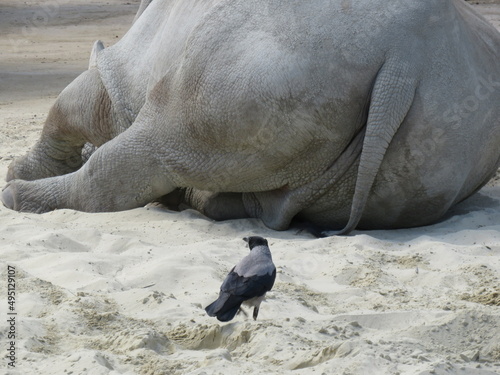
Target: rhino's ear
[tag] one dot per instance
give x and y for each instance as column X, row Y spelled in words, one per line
column 98, row 47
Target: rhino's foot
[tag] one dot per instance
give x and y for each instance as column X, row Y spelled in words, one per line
column 8, row 198
column 23, row 196
column 30, row 169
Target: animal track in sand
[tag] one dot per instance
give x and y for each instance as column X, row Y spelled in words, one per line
column 84, row 321
column 340, row 341
column 302, row 294
column 484, row 296
column 45, row 289
column 462, row 332
column 202, row 336
column 484, row 283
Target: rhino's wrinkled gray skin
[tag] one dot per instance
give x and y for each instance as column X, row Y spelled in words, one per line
column 369, row 113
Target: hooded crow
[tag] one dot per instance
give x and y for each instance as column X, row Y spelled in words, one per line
column 248, row 282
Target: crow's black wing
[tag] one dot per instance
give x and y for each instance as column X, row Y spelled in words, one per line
column 235, row 290
column 247, row 287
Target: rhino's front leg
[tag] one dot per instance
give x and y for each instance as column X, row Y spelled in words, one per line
column 122, row 174
column 82, row 114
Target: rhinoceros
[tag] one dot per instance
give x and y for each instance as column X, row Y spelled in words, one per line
column 344, row 114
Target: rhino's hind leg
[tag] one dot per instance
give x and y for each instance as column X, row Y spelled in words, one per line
column 216, row 206
column 278, row 208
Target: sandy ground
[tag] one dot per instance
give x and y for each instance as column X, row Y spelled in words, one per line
column 123, row 293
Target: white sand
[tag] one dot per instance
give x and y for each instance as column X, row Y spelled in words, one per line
column 123, row 293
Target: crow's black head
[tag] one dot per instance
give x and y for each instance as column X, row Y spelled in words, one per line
column 255, row 241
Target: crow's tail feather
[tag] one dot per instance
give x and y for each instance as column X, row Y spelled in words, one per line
column 225, row 307
column 227, row 315
column 210, row 309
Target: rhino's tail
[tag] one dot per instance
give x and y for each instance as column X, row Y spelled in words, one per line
column 391, row 99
